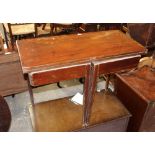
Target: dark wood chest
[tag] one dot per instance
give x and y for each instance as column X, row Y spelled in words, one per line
column 137, row 91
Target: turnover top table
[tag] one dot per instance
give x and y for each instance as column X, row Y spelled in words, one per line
column 35, row 54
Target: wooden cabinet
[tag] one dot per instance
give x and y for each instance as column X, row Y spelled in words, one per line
column 11, row 77
column 136, row 90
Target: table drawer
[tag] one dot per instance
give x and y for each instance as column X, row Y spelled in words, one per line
column 118, row 64
column 56, row 75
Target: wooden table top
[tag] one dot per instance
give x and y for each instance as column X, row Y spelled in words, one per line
column 69, row 49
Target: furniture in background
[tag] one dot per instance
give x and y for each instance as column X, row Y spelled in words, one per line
column 5, row 115
column 14, row 31
column 110, row 26
column 88, row 27
column 11, row 77
column 63, row 58
column 143, row 33
column 136, row 90
column 66, row 28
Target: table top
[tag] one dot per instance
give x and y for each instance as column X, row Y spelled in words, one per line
column 69, row 49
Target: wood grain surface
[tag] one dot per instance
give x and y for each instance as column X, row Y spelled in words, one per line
column 63, row 115
column 59, row 50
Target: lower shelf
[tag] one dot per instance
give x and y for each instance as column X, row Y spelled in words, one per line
column 108, row 114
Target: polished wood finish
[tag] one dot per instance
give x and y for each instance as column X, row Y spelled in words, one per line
column 108, row 66
column 11, row 77
column 59, row 50
column 136, row 91
column 117, row 64
column 48, row 60
column 5, row 115
column 62, row 73
column 63, row 115
column 57, row 74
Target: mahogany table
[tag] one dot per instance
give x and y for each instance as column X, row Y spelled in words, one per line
column 48, row 60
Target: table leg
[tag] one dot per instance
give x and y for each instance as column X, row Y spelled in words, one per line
column 86, row 95
column 91, row 92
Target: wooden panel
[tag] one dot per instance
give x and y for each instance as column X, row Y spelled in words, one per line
column 11, row 76
column 7, row 58
column 118, row 64
column 136, row 91
column 117, row 125
column 149, row 118
column 134, row 103
column 142, row 82
column 58, row 50
column 63, row 115
column 56, row 75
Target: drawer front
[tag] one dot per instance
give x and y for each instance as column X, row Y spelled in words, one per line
column 56, row 75
column 119, row 64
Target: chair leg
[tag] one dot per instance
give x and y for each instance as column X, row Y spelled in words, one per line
column 51, row 28
column 11, row 36
column 5, row 36
column 44, row 25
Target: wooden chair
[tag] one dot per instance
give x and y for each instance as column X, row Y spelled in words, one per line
column 5, row 115
column 66, row 27
column 17, row 31
column 110, row 26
